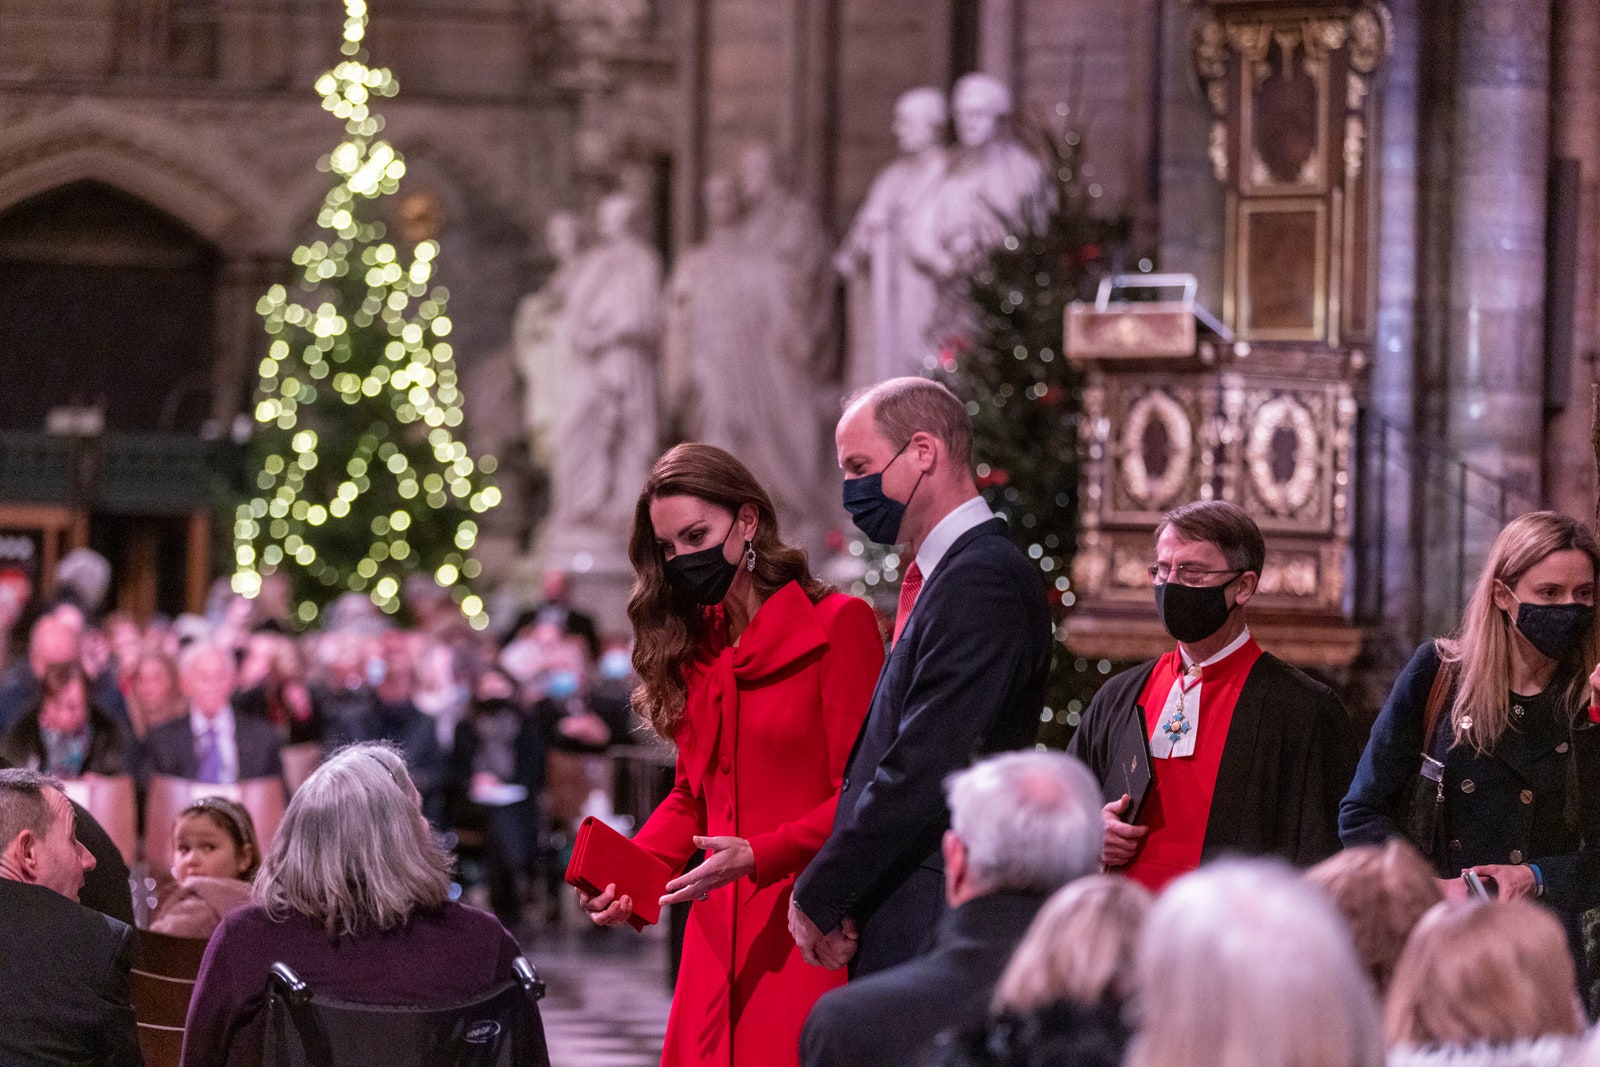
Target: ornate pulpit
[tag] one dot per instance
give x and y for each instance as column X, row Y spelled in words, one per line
column 1257, row 408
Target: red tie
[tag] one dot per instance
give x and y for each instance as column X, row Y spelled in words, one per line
column 908, row 597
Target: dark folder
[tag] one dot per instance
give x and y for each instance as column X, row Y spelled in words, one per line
column 1130, row 764
column 602, row 857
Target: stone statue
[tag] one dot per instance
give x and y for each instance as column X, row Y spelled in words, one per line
column 994, row 185
column 787, row 228
column 542, row 341
column 607, row 438
column 891, row 299
column 734, row 379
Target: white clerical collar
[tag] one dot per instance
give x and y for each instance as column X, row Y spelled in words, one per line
column 1233, row 646
column 963, row 517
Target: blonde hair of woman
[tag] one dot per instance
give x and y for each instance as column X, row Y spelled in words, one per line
column 1484, row 972
column 1078, row 948
column 1480, row 651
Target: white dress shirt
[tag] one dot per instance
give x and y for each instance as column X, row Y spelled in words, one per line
column 962, row 517
column 227, row 741
column 1162, row 746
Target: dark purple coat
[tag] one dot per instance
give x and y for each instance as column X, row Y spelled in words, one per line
column 438, row 957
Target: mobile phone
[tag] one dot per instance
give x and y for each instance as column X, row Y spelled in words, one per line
column 1479, row 888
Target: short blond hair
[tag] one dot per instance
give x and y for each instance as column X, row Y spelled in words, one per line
column 1382, row 891
column 1078, row 948
column 354, row 854
column 1492, row 971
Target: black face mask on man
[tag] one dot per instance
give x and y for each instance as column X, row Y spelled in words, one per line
column 876, row 513
column 1556, row 630
column 1193, row 613
column 704, row 576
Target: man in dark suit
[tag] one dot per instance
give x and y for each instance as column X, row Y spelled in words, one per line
column 1249, row 756
column 965, row 675
column 1022, row 825
column 106, row 887
column 63, row 967
column 211, row 744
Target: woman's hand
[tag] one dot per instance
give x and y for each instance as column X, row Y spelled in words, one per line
column 727, row 860
column 1514, row 881
column 607, row 909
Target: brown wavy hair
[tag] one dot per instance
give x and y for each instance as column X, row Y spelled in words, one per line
column 669, row 626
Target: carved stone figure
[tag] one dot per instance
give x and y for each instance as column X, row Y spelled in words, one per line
column 786, row 227
column 732, row 373
column 994, row 185
column 542, row 341
column 607, row 438
column 890, row 299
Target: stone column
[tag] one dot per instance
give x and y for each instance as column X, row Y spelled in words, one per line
column 1389, row 536
column 1495, row 318
column 1569, row 459
column 1193, row 207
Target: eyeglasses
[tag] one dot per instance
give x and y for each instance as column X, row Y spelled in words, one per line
column 1187, row 573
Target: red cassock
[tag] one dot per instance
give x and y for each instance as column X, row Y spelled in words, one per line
column 766, row 735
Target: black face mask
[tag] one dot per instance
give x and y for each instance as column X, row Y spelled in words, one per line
column 704, row 576
column 1193, row 612
column 876, row 513
column 1556, row 630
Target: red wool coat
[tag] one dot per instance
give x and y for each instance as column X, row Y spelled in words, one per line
column 765, row 739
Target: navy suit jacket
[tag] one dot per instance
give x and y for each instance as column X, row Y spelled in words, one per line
column 170, row 749
column 966, row 678
column 63, row 982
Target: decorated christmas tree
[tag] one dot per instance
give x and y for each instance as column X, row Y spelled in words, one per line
column 1025, row 398
column 359, row 479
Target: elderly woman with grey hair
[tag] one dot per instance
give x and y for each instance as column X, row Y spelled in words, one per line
column 1243, row 964
column 354, row 894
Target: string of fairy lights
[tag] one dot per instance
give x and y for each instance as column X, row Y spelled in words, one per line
column 361, row 341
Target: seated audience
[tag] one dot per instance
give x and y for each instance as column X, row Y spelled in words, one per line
column 1484, row 982
column 154, row 694
column 211, row 744
column 66, row 736
column 214, row 857
column 355, row 896
column 497, row 771
column 1022, row 825
column 272, row 686
column 398, row 721
column 1241, row 964
column 55, row 638
column 63, row 967
column 1382, row 891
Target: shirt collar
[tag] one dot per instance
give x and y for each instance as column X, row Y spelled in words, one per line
column 1233, row 646
column 199, row 724
column 962, row 517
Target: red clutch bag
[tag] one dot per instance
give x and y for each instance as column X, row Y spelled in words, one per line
column 602, row 857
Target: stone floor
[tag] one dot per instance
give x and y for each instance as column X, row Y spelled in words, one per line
column 607, row 994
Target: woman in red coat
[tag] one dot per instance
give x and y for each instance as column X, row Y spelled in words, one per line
column 761, row 675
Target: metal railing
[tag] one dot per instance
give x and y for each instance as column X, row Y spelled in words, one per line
column 1452, row 511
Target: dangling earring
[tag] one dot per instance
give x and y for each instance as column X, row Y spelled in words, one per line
column 749, row 556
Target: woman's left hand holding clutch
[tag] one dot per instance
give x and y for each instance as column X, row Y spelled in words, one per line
column 727, row 860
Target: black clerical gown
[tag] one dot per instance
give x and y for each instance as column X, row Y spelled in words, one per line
column 1288, row 761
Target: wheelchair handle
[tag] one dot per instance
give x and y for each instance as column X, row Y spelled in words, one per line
column 527, row 975
column 294, row 990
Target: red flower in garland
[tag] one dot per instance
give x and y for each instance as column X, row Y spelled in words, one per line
column 836, row 540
